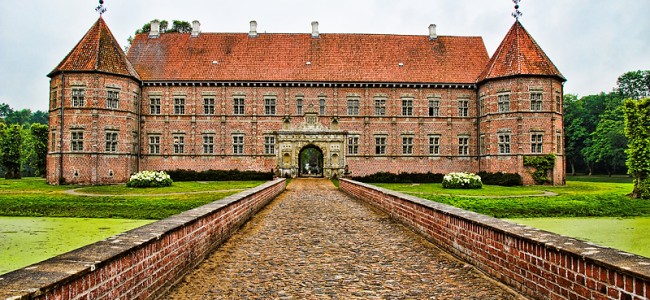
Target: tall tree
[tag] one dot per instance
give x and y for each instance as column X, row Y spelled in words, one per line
column 634, row 84
column 11, row 144
column 38, row 142
column 180, row 26
column 575, row 132
column 637, row 129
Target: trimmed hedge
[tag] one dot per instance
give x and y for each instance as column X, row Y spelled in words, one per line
column 502, row 179
column 219, row 175
column 386, row 177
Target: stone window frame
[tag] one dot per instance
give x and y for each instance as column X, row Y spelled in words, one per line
column 237, row 143
column 78, row 96
column 269, row 144
column 504, row 140
column 463, row 145
column 482, row 145
column 407, row 106
column 353, row 106
column 321, row 105
column 54, row 94
column 380, row 106
column 381, row 144
column 463, row 107
column 481, row 107
column 112, row 98
column 558, row 102
column 434, row 107
column 209, row 105
column 537, row 142
column 179, row 105
column 407, row 144
column 208, row 143
column 111, row 137
column 353, row 144
column 299, row 105
column 178, row 141
column 154, row 143
column 154, row 104
column 434, row 144
column 77, row 140
column 270, row 105
column 558, row 138
column 536, row 99
column 238, row 105
column 503, row 102
column 53, row 140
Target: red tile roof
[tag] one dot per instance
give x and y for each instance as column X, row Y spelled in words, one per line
column 519, row 54
column 97, row 51
column 331, row 57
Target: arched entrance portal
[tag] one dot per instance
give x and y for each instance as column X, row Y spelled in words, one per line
column 310, row 161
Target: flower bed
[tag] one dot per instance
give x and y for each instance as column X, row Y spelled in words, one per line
column 462, row 181
column 149, row 179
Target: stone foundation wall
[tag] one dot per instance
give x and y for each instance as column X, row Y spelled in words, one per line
column 538, row 264
column 142, row 263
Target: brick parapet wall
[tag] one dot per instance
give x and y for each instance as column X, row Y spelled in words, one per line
column 538, row 264
column 142, row 263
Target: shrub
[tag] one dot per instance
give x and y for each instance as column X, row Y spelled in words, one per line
column 219, row 175
column 502, row 179
column 149, row 179
column 386, row 177
column 462, row 181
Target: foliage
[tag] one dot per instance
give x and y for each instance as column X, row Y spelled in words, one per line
column 502, row 179
column 386, row 177
column 219, row 175
column 542, row 164
column 637, row 129
column 461, row 181
column 11, row 145
column 634, row 84
column 177, row 26
column 149, row 179
column 23, row 116
column 38, row 145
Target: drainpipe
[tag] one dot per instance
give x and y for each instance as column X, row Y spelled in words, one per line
column 61, row 128
column 138, row 150
column 478, row 131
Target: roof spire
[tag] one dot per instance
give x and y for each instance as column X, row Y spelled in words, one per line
column 517, row 13
column 101, row 9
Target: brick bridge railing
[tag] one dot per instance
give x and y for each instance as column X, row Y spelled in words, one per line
column 141, row 263
column 538, row 264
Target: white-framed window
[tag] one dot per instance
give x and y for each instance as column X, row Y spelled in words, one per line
column 299, row 105
column 504, row 143
column 380, row 106
column 407, row 145
column 353, row 106
column 536, row 101
column 111, row 141
column 353, row 145
column 463, row 145
column 77, row 140
column 208, row 105
column 238, row 105
column 536, row 142
column 238, row 144
column 269, row 106
column 179, row 143
column 434, row 144
column 463, row 107
column 269, row 145
column 380, row 144
column 503, row 101
column 179, row 105
column 112, row 99
column 208, row 144
column 434, row 107
column 481, row 144
column 154, row 105
column 78, row 97
column 407, row 106
column 154, row 144
column 321, row 105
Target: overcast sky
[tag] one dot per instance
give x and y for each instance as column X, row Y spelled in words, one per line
column 591, row 42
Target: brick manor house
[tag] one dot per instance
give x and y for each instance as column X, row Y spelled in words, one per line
column 312, row 104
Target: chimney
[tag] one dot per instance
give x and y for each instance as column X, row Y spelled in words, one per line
column 432, row 32
column 196, row 28
column 253, row 31
column 154, row 31
column 314, row 29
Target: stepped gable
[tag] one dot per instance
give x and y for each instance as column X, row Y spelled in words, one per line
column 519, row 54
column 280, row 57
column 98, row 51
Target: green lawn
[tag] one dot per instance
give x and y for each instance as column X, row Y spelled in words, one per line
column 583, row 196
column 33, row 197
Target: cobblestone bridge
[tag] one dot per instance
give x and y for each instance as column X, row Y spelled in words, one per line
column 316, row 242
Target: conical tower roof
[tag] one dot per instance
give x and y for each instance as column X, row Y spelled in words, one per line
column 519, row 54
column 98, row 51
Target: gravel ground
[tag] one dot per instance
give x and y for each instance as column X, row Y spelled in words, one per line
column 314, row 242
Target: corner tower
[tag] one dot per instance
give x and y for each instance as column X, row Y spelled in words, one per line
column 520, row 108
column 94, row 96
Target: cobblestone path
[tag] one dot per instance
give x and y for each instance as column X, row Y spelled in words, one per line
column 314, row 242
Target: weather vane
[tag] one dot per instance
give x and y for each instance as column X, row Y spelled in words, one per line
column 101, row 9
column 517, row 13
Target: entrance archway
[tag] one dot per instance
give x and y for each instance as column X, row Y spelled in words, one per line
column 310, row 162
